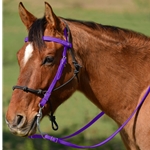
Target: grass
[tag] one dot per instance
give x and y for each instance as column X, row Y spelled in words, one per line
column 77, row 111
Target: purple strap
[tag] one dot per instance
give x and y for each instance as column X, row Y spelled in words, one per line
column 63, row 142
column 80, row 130
column 86, row 126
column 56, row 78
column 52, row 39
column 61, row 66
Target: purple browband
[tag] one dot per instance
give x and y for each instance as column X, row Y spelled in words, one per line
column 52, row 39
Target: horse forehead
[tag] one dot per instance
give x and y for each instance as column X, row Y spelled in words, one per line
column 28, row 53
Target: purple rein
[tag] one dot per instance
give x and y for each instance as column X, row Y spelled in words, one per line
column 63, row 142
column 67, row 45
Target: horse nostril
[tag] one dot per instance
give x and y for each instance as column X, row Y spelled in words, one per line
column 19, row 121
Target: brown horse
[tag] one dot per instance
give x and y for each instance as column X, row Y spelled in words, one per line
column 114, row 75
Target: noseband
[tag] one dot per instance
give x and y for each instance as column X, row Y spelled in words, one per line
column 46, row 94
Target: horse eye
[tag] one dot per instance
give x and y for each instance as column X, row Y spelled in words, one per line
column 48, row 60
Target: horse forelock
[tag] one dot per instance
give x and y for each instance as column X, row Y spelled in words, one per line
column 36, row 32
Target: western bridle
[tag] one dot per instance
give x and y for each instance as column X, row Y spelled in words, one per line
column 46, row 96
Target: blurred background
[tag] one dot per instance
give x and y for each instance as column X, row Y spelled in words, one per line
column 77, row 110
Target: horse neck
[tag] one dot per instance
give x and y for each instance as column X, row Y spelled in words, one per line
column 87, row 45
column 99, row 79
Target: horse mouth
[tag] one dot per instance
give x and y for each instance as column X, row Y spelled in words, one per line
column 33, row 126
column 25, row 131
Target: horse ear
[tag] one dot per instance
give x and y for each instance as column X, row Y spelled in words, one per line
column 26, row 17
column 51, row 18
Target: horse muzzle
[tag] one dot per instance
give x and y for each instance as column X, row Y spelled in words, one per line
column 21, row 127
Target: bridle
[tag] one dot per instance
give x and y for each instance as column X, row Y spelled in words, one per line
column 67, row 46
column 46, row 95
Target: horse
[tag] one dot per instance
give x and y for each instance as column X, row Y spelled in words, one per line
column 108, row 64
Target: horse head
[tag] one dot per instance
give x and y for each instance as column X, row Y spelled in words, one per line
column 39, row 61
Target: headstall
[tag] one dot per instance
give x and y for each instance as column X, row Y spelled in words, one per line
column 46, row 94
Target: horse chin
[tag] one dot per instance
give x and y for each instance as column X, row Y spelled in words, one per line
column 28, row 130
column 33, row 127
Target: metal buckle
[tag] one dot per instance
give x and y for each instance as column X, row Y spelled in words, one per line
column 39, row 117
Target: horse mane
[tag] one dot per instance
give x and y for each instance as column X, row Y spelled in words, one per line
column 113, row 29
column 37, row 29
column 114, row 33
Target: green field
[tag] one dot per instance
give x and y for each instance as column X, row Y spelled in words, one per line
column 77, row 111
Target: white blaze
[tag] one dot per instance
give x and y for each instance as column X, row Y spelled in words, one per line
column 27, row 53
